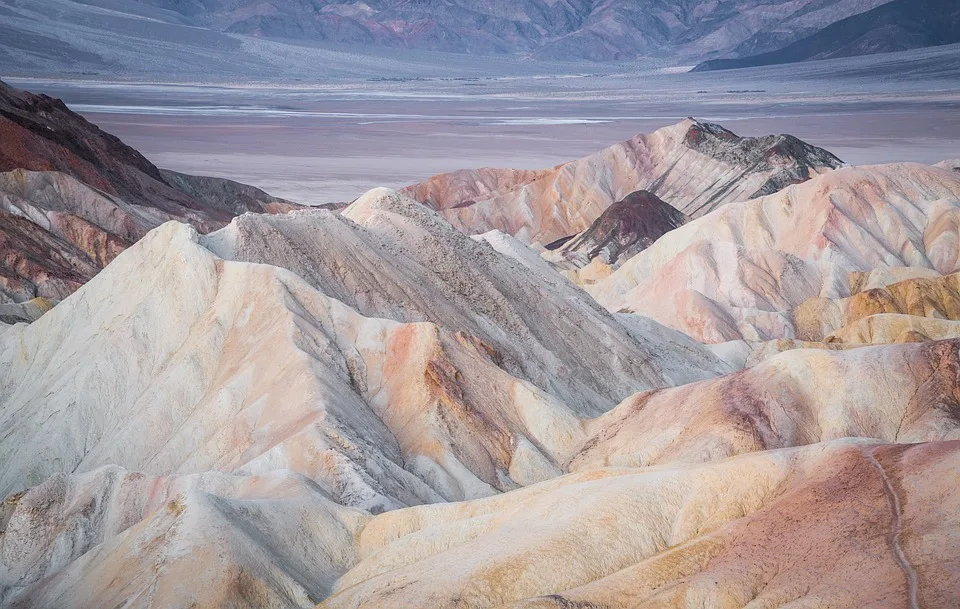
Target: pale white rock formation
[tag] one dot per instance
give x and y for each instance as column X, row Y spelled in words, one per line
column 289, row 384
column 895, row 328
column 746, row 354
column 195, row 365
column 734, row 352
column 771, row 528
column 112, row 538
column 895, row 393
column 739, row 271
column 174, row 359
column 388, row 257
column 952, row 164
column 883, row 276
column 247, row 368
column 793, row 524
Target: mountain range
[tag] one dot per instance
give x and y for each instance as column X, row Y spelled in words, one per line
column 75, row 35
column 896, row 26
column 691, row 369
column 596, row 30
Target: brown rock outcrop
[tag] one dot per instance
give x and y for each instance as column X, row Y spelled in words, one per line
column 80, row 196
column 626, row 228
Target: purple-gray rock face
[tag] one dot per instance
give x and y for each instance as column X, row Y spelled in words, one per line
column 896, row 26
column 597, row 30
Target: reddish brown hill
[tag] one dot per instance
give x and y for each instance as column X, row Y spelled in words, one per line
column 627, row 227
column 73, row 197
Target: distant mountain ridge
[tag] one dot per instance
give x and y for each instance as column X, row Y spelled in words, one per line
column 592, row 30
column 897, row 26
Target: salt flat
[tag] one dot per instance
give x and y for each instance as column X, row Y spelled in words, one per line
column 330, row 139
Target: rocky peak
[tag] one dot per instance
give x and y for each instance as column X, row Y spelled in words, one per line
column 626, row 228
column 788, row 159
